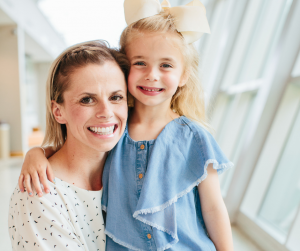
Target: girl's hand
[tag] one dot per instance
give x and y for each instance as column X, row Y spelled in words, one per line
column 36, row 168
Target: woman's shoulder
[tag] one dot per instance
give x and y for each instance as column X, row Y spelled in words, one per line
column 23, row 200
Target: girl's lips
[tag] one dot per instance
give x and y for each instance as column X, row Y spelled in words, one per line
column 150, row 91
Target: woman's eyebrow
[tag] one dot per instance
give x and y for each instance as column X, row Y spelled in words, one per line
column 114, row 92
column 88, row 93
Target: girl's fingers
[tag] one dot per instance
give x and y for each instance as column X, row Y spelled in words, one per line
column 21, row 185
column 36, row 183
column 44, row 182
column 28, row 185
column 50, row 173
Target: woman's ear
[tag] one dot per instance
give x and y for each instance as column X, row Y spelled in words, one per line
column 184, row 78
column 58, row 113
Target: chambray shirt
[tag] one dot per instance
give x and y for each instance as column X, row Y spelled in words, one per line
column 150, row 190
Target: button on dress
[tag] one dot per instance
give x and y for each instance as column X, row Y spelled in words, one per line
column 68, row 218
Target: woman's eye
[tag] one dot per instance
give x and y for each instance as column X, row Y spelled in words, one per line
column 116, row 98
column 139, row 63
column 166, row 66
column 87, row 100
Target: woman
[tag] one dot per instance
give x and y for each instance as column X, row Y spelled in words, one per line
column 86, row 116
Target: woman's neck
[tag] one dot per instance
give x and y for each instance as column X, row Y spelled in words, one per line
column 79, row 165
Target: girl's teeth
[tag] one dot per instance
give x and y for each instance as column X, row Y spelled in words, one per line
column 102, row 130
column 151, row 90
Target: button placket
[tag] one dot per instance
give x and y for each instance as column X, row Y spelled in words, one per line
column 142, row 161
column 141, row 165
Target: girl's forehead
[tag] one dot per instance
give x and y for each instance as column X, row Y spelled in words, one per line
column 151, row 43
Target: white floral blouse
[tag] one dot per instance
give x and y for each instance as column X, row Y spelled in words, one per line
column 68, row 218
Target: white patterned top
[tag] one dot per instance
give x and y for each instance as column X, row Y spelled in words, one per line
column 68, row 218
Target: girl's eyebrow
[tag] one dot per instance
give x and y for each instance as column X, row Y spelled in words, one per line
column 161, row 59
column 137, row 57
column 168, row 59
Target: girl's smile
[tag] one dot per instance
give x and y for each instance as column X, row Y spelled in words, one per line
column 150, row 91
column 157, row 68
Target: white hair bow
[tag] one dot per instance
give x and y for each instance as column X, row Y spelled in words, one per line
column 190, row 19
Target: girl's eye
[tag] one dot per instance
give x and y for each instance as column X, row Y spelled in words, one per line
column 87, row 100
column 116, row 98
column 166, row 66
column 139, row 63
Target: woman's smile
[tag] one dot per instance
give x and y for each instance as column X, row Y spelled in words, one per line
column 107, row 130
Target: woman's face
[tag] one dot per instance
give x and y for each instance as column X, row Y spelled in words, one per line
column 95, row 106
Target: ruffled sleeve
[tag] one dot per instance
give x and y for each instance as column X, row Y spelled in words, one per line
column 177, row 164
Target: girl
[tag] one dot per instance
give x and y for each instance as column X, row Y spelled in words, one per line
column 160, row 183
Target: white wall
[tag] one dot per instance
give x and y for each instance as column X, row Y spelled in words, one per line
column 10, row 84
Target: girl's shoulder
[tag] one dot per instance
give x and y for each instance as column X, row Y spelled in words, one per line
column 184, row 129
column 194, row 143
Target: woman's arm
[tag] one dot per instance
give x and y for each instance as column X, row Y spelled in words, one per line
column 41, row 223
column 214, row 211
column 36, row 168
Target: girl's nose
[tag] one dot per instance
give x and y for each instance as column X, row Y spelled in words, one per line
column 104, row 111
column 152, row 75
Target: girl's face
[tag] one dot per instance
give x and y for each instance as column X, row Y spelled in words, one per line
column 95, row 106
column 156, row 68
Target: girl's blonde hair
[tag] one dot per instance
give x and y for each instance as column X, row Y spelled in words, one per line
column 188, row 99
column 77, row 56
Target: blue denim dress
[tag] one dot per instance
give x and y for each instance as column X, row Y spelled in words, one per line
column 150, row 189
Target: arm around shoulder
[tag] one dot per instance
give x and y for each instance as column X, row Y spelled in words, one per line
column 36, row 168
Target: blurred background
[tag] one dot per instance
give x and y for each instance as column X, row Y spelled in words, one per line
column 250, row 68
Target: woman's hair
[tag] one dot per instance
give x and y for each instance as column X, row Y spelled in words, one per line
column 77, row 56
column 188, row 99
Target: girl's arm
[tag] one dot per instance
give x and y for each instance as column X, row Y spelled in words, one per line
column 36, row 168
column 214, row 211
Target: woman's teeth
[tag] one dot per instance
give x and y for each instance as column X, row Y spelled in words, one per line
column 102, row 130
column 151, row 90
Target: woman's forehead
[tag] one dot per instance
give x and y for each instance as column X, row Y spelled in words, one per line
column 96, row 76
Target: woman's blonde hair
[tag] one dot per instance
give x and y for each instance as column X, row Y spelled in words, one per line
column 188, row 99
column 77, row 56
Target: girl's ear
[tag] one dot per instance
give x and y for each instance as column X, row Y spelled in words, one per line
column 184, row 78
column 58, row 113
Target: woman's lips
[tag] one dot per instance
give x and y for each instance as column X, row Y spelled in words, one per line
column 150, row 91
column 104, row 131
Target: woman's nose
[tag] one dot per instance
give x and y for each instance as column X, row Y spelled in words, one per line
column 104, row 111
column 152, row 75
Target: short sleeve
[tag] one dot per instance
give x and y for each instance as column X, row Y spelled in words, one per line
column 207, row 150
column 36, row 224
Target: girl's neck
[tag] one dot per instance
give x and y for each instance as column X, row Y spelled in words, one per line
column 151, row 114
column 79, row 165
column 147, row 122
